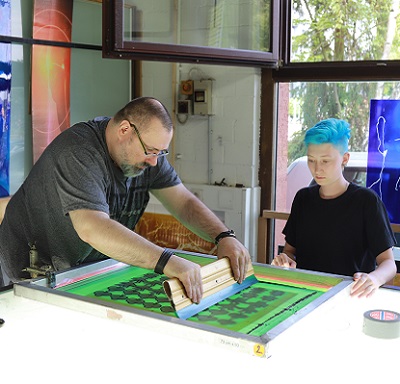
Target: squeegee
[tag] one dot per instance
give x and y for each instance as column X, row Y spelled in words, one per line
column 218, row 284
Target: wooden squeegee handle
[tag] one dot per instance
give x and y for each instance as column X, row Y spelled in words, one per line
column 215, row 277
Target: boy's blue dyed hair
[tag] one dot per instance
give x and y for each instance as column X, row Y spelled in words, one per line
column 330, row 131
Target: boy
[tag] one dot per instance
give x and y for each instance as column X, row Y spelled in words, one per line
column 336, row 226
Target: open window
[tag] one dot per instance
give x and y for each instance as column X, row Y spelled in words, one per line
column 208, row 31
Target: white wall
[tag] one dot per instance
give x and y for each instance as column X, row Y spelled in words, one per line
column 224, row 145
column 221, row 146
column 233, row 150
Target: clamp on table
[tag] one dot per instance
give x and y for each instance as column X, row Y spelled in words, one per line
column 36, row 270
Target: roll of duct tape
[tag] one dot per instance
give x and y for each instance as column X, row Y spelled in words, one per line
column 382, row 324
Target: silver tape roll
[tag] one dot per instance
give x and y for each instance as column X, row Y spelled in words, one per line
column 382, row 324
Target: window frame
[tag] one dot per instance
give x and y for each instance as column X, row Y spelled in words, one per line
column 350, row 71
column 114, row 45
column 377, row 70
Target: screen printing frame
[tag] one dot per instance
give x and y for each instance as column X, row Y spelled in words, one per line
column 39, row 290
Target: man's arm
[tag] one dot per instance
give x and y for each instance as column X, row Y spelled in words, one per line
column 197, row 217
column 120, row 243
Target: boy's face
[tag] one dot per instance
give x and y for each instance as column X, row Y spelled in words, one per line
column 326, row 163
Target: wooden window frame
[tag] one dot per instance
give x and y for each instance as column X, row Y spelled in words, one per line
column 114, row 46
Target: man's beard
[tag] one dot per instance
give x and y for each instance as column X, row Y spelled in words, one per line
column 133, row 170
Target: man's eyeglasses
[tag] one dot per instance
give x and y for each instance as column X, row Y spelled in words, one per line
column 156, row 152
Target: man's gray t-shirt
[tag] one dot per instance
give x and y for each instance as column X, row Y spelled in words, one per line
column 74, row 172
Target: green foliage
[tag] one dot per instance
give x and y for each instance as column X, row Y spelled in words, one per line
column 340, row 30
column 262, row 26
column 296, row 148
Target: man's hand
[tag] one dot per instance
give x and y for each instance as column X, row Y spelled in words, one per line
column 189, row 275
column 238, row 255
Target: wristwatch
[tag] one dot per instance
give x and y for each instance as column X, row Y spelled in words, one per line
column 229, row 233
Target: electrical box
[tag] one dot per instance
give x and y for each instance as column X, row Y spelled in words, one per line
column 184, row 107
column 202, row 97
column 186, row 87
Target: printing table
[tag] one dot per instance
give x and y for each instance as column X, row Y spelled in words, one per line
column 42, row 341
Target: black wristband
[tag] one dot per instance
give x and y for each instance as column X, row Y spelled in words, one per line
column 162, row 261
column 229, row 233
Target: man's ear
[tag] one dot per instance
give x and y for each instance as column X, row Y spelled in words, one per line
column 124, row 128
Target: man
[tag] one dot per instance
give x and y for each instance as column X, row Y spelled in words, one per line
column 336, row 226
column 84, row 196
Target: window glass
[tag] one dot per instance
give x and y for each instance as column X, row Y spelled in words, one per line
column 302, row 106
column 20, row 122
column 98, row 87
column 87, row 20
column 351, row 30
column 21, row 18
column 232, row 24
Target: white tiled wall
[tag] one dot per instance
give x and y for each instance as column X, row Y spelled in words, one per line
column 225, row 145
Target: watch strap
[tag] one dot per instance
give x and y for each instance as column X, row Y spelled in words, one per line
column 229, row 233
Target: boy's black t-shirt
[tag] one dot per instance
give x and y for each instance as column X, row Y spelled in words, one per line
column 342, row 235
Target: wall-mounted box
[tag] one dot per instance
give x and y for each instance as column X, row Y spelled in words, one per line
column 202, row 92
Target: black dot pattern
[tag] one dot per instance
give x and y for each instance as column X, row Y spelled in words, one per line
column 144, row 292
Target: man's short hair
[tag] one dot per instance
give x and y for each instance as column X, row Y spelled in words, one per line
column 142, row 110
